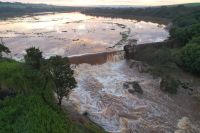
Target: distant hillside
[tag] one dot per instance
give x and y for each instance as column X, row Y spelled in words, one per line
column 170, row 12
column 15, row 9
column 31, row 7
column 192, row 4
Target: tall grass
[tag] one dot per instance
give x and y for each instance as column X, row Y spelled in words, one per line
column 33, row 109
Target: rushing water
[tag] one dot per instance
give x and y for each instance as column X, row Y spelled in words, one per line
column 75, row 33
column 100, row 93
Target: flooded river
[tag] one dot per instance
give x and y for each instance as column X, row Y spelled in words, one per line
column 75, row 33
column 101, row 94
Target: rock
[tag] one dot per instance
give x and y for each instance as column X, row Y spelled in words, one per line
column 187, row 88
column 126, row 85
column 133, row 87
column 129, row 51
column 141, row 66
column 185, row 126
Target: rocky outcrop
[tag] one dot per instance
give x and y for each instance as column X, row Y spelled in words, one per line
column 141, row 66
column 185, row 126
column 133, row 87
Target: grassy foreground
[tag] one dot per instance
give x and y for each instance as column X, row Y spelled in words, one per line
column 31, row 108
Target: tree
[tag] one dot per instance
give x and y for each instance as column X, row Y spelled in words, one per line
column 62, row 76
column 3, row 49
column 185, row 34
column 189, row 58
column 33, row 57
column 195, row 40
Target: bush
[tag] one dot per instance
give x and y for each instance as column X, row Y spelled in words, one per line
column 189, row 58
column 154, row 56
column 195, row 40
column 3, row 49
column 169, row 84
column 33, row 57
column 185, row 34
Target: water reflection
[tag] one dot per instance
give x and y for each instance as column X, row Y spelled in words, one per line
column 75, row 33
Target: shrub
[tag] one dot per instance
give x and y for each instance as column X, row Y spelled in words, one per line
column 33, row 57
column 154, row 56
column 169, row 84
column 195, row 40
column 189, row 58
column 3, row 49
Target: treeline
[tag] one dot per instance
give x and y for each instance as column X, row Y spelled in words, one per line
column 20, row 7
column 16, row 9
column 170, row 12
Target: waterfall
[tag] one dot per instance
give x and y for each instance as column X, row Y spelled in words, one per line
column 97, row 58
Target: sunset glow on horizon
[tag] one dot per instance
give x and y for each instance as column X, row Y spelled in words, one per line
column 106, row 2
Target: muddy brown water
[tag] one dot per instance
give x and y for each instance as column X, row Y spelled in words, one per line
column 100, row 76
column 97, row 58
column 100, row 95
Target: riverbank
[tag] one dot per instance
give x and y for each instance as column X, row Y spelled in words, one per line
column 162, row 60
column 28, row 106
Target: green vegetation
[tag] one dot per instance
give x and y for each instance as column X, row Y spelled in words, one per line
column 170, row 12
column 33, row 108
column 192, row 4
column 3, row 49
column 195, row 40
column 189, row 58
column 169, row 84
column 163, row 64
column 61, row 74
column 33, row 57
column 166, row 62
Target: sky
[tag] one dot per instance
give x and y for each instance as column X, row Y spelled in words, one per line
column 106, row 2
